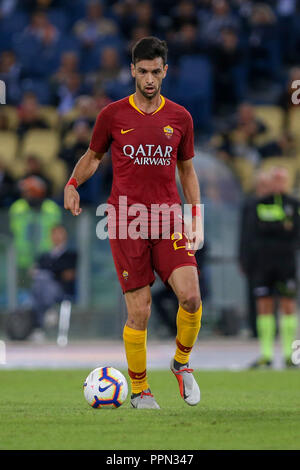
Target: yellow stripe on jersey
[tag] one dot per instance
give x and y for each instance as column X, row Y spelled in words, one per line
column 161, row 105
column 132, row 103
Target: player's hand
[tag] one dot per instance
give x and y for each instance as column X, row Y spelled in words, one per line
column 195, row 234
column 72, row 200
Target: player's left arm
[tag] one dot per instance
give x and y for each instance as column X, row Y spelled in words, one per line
column 191, row 190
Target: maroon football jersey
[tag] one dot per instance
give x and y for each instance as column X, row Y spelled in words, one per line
column 144, row 149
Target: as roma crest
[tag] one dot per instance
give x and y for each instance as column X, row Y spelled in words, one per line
column 168, row 131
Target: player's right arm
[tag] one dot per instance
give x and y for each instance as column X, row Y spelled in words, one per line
column 84, row 169
column 89, row 162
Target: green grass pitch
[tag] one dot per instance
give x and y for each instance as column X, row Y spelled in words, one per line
column 46, row 409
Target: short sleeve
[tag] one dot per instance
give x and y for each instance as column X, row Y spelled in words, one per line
column 186, row 146
column 101, row 137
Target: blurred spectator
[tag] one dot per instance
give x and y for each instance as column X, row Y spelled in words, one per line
column 7, row 7
column 110, row 70
column 86, row 109
column 124, row 11
column 264, row 53
column 31, row 218
column 284, row 146
column 185, row 42
column 29, row 114
column 247, row 124
column 69, row 62
column 229, row 71
column 69, row 66
column 95, row 25
column 145, row 18
column 86, row 112
column 184, row 13
column 41, row 28
column 81, row 134
column 286, row 7
column 33, row 167
column 53, row 277
column 221, row 17
column 11, row 74
column 7, row 186
column 68, row 92
column 40, row 39
column 239, row 137
column 100, row 99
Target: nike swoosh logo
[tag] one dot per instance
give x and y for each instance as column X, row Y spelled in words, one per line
column 105, row 388
column 127, row 130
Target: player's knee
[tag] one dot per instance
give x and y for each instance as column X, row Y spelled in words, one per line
column 191, row 302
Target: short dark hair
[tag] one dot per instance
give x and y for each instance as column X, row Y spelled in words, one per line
column 149, row 48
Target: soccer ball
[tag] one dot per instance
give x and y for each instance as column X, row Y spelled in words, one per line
column 105, row 387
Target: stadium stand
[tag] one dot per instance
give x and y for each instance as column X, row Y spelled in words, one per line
column 57, row 173
column 50, row 116
column 12, row 117
column 43, row 142
column 9, row 143
column 272, row 116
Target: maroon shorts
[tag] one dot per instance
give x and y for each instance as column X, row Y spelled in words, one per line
column 136, row 260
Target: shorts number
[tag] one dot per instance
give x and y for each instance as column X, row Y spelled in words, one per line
column 177, row 236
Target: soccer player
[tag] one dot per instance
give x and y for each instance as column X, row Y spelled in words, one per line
column 275, row 238
column 149, row 136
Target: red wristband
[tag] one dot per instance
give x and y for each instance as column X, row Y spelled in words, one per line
column 196, row 211
column 72, row 182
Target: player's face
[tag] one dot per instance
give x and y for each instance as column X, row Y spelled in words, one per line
column 149, row 75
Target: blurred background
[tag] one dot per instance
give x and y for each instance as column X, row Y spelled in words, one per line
column 231, row 64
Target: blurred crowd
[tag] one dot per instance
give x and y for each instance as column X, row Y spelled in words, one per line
column 84, row 45
column 64, row 60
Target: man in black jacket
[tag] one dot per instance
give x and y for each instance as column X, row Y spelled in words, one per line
column 273, row 234
column 262, row 187
column 54, row 275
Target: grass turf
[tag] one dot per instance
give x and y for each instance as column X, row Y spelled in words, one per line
column 45, row 409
